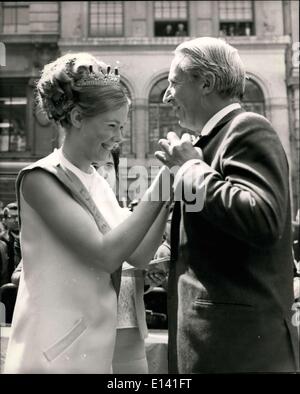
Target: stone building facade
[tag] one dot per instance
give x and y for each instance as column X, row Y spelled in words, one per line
column 141, row 36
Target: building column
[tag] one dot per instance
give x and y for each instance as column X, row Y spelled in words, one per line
column 279, row 117
column 140, row 127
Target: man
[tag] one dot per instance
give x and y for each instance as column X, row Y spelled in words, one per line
column 8, row 292
column 11, row 237
column 231, row 273
column 110, row 168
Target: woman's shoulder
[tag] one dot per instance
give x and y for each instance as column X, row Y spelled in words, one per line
column 39, row 185
column 47, row 162
column 42, row 166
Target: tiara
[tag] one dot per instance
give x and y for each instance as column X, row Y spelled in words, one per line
column 90, row 78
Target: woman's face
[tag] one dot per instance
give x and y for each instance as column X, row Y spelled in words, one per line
column 101, row 133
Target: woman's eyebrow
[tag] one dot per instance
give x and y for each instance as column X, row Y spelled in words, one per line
column 112, row 121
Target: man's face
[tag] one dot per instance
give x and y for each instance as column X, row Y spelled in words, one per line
column 107, row 170
column 184, row 94
column 11, row 219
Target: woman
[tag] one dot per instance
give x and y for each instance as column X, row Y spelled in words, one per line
column 74, row 235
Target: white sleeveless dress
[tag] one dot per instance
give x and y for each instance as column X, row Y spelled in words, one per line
column 66, row 310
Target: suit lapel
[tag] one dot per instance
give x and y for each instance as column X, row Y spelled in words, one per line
column 203, row 140
column 176, row 217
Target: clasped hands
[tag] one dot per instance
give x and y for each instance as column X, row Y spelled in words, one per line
column 176, row 151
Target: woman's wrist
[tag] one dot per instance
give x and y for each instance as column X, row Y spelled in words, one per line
column 161, row 188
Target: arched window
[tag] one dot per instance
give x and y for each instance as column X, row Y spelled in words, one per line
column 162, row 118
column 253, row 99
column 126, row 146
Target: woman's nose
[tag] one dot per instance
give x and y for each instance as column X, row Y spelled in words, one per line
column 118, row 137
column 167, row 97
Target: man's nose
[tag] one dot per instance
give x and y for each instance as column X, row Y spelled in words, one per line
column 167, row 97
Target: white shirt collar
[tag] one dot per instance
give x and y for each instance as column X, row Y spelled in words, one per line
column 213, row 121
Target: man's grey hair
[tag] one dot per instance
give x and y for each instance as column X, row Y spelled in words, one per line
column 208, row 54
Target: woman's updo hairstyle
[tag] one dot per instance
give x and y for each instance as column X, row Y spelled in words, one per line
column 79, row 80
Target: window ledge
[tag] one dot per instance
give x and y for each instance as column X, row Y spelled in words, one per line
column 120, row 41
column 29, row 38
column 154, row 41
column 12, row 165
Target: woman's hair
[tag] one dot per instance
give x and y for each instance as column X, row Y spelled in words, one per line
column 79, row 80
column 214, row 55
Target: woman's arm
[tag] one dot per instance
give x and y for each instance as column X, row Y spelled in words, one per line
column 77, row 229
column 149, row 245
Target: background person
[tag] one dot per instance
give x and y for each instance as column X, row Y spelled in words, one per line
column 10, row 257
column 11, row 236
column 180, row 32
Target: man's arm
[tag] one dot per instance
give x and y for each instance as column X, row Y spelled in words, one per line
column 248, row 199
column 249, row 196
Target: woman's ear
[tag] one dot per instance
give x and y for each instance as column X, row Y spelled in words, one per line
column 76, row 117
column 208, row 83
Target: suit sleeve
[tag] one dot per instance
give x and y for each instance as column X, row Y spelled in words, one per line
column 248, row 197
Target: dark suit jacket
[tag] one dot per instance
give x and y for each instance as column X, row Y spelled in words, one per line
column 231, row 274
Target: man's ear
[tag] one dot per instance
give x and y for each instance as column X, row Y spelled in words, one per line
column 208, row 83
column 76, row 117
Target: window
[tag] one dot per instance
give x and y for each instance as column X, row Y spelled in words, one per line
column 106, row 18
column 253, row 99
column 13, row 102
column 15, row 17
column 170, row 18
column 126, row 146
column 162, row 118
column 236, row 18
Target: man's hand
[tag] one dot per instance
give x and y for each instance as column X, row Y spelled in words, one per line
column 175, row 151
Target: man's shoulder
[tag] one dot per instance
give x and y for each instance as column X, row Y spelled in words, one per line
column 252, row 129
column 250, row 124
column 250, row 118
